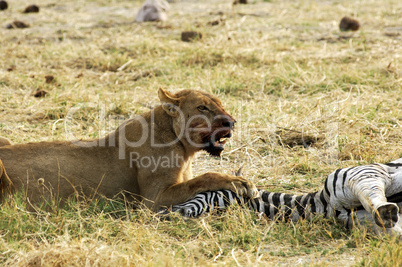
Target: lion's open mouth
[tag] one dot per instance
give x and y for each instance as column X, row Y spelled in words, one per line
column 214, row 144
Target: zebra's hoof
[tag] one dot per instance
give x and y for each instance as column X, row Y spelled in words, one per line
column 386, row 215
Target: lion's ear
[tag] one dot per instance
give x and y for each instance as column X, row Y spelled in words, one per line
column 167, row 97
column 170, row 103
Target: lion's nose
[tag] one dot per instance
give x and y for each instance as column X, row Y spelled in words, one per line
column 228, row 124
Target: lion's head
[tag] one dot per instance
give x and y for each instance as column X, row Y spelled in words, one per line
column 199, row 120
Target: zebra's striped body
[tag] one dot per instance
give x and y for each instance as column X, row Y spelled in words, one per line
column 371, row 192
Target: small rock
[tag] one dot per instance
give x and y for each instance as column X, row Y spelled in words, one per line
column 31, row 9
column 153, row 10
column 40, row 93
column 49, row 78
column 3, row 5
column 189, row 36
column 17, row 24
column 235, row 2
column 12, row 68
column 349, row 24
column 216, row 22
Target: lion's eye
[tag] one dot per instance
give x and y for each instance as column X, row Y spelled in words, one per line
column 202, row 108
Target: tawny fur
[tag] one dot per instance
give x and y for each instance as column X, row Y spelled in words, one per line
column 4, row 141
column 102, row 166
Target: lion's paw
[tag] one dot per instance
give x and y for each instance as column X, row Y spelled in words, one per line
column 245, row 187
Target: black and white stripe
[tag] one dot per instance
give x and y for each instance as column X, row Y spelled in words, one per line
column 372, row 192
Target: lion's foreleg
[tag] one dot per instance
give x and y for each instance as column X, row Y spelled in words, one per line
column 181, row 192
column 6, row 185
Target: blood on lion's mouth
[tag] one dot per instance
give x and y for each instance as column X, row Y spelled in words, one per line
column 215, row 147
column 220, row 142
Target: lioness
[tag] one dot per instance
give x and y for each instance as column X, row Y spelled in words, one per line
column 148, row 157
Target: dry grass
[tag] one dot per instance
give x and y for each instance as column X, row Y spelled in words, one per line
column 308, row 99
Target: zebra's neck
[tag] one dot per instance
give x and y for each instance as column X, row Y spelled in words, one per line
column 271, row 204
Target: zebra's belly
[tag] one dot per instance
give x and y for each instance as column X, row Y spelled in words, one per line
column 345, row 201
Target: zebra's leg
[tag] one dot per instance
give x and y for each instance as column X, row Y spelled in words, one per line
column 369, row 189
column 387, row 215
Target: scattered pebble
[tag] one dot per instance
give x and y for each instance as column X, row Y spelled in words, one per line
column 219, row 13
column 235, row 2
column 40, row 93
column 349, row 24
column 189, row 36
column 3, row 5
column 216, row 22
column 17, row 24
column 49, row 78
column 31, row 9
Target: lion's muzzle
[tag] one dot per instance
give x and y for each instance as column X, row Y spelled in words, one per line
column 222, row 129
